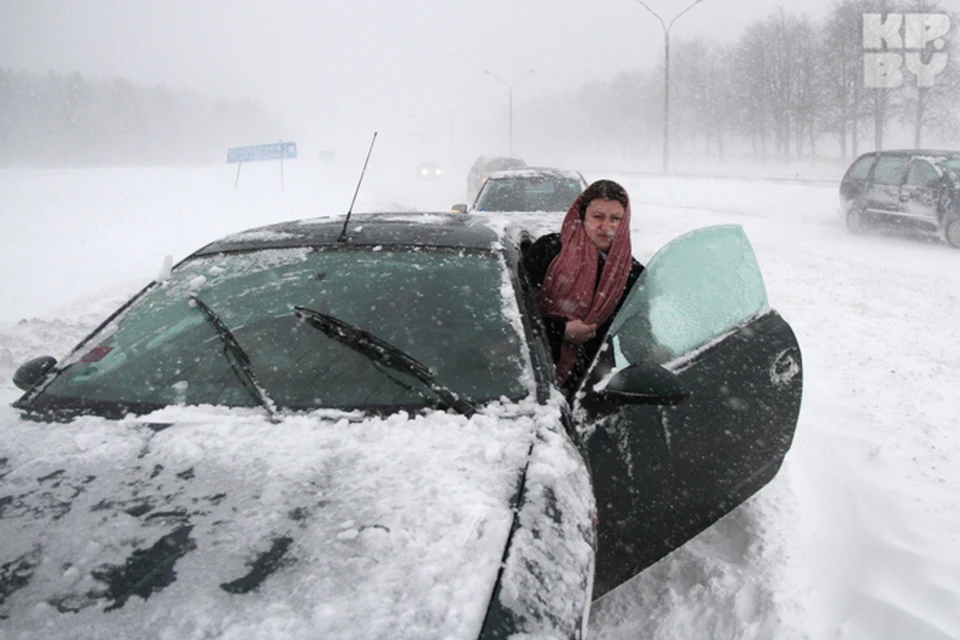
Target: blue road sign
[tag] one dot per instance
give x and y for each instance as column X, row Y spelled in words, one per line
column 277, row 151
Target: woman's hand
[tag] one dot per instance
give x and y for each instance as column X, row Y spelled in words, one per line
column 577, row 332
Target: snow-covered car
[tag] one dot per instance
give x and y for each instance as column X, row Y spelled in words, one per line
column 351, row 428
column 527, row 189
column 483, row 166
column 907, row 189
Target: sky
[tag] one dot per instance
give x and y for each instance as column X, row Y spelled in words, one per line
column 857, row 536
column 336, row 71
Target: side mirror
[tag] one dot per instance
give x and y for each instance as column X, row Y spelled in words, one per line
column 33, row 371
column 645, row 383
column 459, row 208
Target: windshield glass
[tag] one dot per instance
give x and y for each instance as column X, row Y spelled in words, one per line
column 444, row 308
column 529, row 194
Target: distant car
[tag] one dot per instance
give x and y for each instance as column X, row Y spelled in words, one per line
column 485, row 165
column 429, row 171
column 319, row 429
column 908, row 189
column 527, row 189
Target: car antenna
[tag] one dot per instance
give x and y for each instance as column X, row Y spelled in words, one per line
column 343, row 233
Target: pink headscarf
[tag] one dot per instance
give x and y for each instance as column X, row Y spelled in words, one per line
column 570, row 288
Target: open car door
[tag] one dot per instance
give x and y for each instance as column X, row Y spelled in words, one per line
column 692, row 402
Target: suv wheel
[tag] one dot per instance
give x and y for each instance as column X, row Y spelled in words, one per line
column 855, row 220
column 951, row 232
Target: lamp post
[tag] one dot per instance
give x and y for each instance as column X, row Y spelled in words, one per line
column 509, row 87
column 666, row 77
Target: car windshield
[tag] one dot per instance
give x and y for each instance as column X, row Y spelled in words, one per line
column 443, row 308
column 529, row 194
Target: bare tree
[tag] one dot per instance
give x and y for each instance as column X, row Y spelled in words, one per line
column 841, row 72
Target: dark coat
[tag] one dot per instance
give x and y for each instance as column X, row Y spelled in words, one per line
column 537, row 260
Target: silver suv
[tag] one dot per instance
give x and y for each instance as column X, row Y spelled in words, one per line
column 908, row 189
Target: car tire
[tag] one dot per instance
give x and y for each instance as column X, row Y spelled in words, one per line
column 856, row 222
column 951, row 231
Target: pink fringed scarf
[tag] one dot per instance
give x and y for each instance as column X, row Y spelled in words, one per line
column 570, row 288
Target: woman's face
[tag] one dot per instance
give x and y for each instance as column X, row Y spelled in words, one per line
column 601, row 220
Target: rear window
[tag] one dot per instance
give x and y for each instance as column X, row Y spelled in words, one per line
column 529, row 194
column 860, row 168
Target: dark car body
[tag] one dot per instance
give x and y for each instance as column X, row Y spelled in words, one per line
column 483, row 166
column 527, row 190
column 315, row 430
column 917, row 190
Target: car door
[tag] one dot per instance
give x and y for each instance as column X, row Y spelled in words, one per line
column 921, row 191
column 663, row 473
column 882, row 195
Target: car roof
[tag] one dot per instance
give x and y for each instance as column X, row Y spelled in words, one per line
column 914, row 152
column 528, row 173
column 418, row 229
column 484, row 161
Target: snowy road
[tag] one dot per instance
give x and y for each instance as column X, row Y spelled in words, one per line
column 859, row 535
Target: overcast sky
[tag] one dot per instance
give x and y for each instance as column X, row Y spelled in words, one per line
column 335, row 68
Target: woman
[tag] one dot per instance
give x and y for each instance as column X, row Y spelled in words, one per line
column 583, row 274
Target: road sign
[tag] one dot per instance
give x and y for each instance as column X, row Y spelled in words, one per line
column 277, row 151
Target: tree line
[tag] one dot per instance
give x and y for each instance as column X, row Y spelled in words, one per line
column 789, row 87
column 70, row 120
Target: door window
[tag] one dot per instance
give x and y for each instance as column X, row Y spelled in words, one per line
column 889, row 170
column 922, row 174
column 695, row 289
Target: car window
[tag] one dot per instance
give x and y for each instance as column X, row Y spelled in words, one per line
column 529, row 194
column 859, row 169
column 889, row 170
column 445, row 308
column 922, row 174
column 696, row 288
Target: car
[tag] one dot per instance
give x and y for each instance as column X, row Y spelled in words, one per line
column 429, row 171
column 527, row 189
column 917, row 190
column 351, row 426
column 483, row 167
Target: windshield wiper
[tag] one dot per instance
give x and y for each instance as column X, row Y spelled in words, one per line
column 240, row 360
column 380, row 350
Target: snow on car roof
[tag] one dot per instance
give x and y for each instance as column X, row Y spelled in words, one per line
column 529, row 173
column 431, row 229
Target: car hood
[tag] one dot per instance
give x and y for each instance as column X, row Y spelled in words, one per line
column 201, row 522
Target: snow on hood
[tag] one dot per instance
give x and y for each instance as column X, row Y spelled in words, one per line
column 201, row 522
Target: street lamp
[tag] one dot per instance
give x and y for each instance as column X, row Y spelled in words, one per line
column 509, row 87
column 666, row 76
